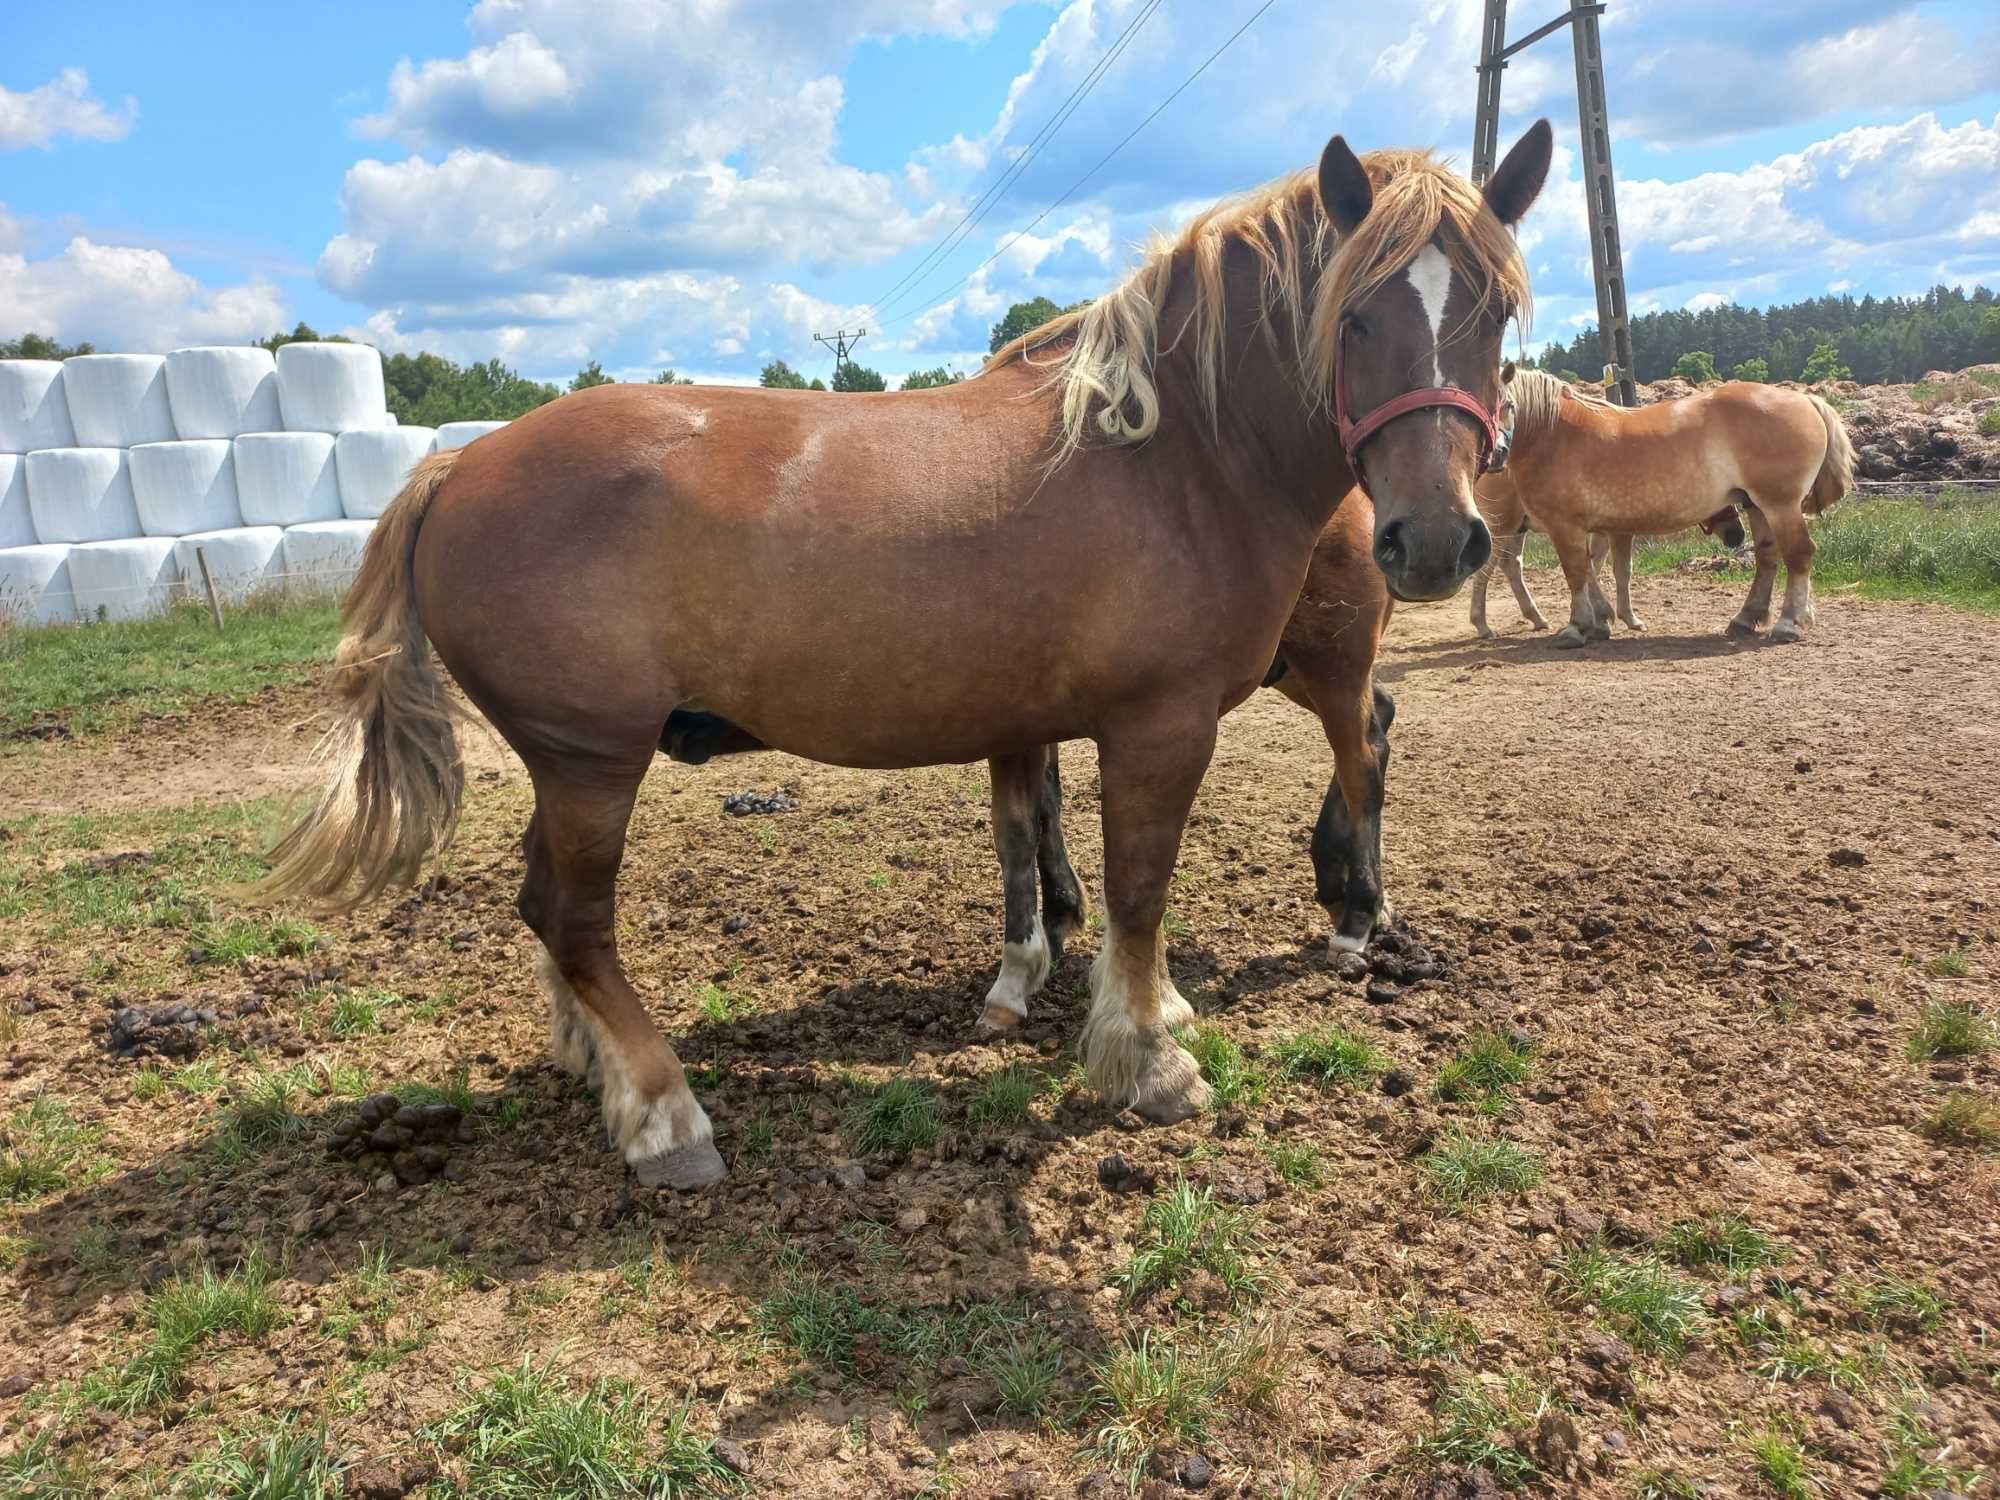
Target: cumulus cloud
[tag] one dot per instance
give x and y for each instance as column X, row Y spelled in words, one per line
column 125, row 297
column 60, row 107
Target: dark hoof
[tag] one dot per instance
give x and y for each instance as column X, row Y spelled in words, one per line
column 1737, row 630
column 691, row 1167
column 1569, row 638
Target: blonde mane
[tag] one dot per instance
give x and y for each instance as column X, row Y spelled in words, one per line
column 1310, row 276
column 1538, row 397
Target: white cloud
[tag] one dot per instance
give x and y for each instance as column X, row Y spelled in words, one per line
column 125, row 297
column 60, row 107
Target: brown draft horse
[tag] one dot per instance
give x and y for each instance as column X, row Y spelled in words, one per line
column 1583, row 465
column 1100, row 537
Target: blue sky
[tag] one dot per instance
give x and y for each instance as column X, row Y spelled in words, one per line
column 651, row 182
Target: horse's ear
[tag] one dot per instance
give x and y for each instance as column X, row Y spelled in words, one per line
column 1508, row 370
column 1343, row 186
column 1513, row 187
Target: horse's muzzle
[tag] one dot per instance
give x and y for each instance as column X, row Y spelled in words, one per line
column 1421, row 561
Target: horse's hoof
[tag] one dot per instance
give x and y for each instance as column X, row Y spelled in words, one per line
column 1171, row 1087
column 997, row 1021
column 1741, row 630
column 1786, row 631
column 1483, row 633
column 1538, row 623
column 1635, row 623
column 1569, row 638
column 1600, row 631
column 690, row 1167
column 1341, row 942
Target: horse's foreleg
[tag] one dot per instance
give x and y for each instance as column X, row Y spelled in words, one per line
column 1509, row 558
column 1065, row 909
column 574, row 846
column 1573, row 549
column 1347, row 840
column 1150, row 774
column 1600, row 544
column 1795, row 546
column 1024, row 958
column 1757, row 604
column 1621, row 573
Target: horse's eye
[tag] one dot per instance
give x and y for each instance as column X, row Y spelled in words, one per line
column 1356, row 327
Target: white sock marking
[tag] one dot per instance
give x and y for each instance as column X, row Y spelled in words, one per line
column 1430, row 276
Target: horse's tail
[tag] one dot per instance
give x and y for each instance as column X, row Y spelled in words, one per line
column 394, row 777
column 1836, row 472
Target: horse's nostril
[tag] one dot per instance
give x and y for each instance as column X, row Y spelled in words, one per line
column 1478, row 549
column 1389, row 549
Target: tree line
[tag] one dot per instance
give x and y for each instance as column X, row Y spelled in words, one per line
column 1876, row 340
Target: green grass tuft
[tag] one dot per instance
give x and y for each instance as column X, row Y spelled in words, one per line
column 1003, row 1098
column 1947, row 1028
column 1329, row 1055
column 1486, row 1069
column 239, row 940
column 287, row 1463
column 1726, row 1240
column 185, row 1314
column 1782, row 1464
column 43, row 1150
column 1482, row 1426
column 900, row 1115
column 1467, row 1168
column 1296, row 1162
column 1235, row 1081
column 1158, row 1391
column 1964, row 1118
column 1898, row 1302
column 1184, row 1229
column 1418, row 1333
column 1652, row 1305
column 1953, row 963
column 1026, row 1370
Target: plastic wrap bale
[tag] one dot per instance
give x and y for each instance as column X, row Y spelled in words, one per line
column 242, row 561
column 184, row 487
column 375, row 464
column 34, row 585
column 458, row 434
column 330, row 387
column 81, row 494
column 284, row 478
column 224, row 391
column 34, row 409
column 117, row 400
column 322, row 557
column 17, row 523
column 124, row 580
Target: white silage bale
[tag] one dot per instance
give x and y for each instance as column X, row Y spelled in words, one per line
column 322, row 557
column 17, row 523
column 223, row 391
column 117, row 400
column 375, row 463
column 81, row 494
column 284, row 478
column 242, row 561
column 124, row 580
column 34, row 410
column 34, row 585
column 330, row 387
column 458, row 434
column 184, row 487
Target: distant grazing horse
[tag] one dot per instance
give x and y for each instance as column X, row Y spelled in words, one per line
column 1508, row 516
column 1099, row 537
column 1583, row 465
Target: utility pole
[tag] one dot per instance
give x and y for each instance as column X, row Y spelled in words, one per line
column 1607, row 260
column 842, row 343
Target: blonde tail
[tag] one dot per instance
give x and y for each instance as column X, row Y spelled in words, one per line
column 394, row 775
column 1836, row 474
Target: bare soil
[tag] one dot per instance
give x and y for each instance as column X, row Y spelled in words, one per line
column 1707, row 879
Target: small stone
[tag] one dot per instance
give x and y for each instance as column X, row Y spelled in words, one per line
column 1521, row 932
column 15, row 1384
column 1594, row 927
column 910, row 1220
column 1847, row 859
column 1025, row 1483
column 1381, row 992
column 1350, row 966
column 1195, row 1473
column 1370, row 1361
column 732, row 1456
column 851, row 1174
column 734, row 925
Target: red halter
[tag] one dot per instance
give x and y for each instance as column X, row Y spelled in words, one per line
column 1496, row 439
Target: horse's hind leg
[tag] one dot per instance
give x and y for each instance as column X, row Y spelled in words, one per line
column 1600, row 544
column 1510, row 564
column 568, row 898
column 1347, row 840
column 1621, row 573
column 1150, row 774
column 1024, row 961
column 1573, row 549
column 570, row 1042
column 1065, row 909
column 1796, row 547
column 1756, row 609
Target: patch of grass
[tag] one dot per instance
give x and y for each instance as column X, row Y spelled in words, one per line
column 240, row 939
column 1898, row 1302
column 1483, row 1425
column 1486, row 1069
column 1159, row 1390
column 900, row 1115
column 826, row 1323
column 1418, row 1333
column 1785, row 1354
column 1948, row 1028
column 1025, row 1371
column 531, row 1432
column 286, row 1463
column 148, row 1084
column 262, row 1113
column 1965, row 1118
column 1467, row 1168
column 1726, row 1240
column 1004, row 1097
column 719, row 1006
column 1916, row 1458
column 1184, row 1229
column 1652, row 1305
column 183, row 1315
column 1329, row 1055
column 760, row 1137
column 107, row 676
column 358, row 1012
column 1953, row 963
column 455, row 1091
column 200, row 1077
column 1234, row 1080
column 44, row 1150
column 43, row 1468
column 1782, row 1464
column 10, row 1024
column 1296, row 1162
column 1660, row 1484
column 1989, row 422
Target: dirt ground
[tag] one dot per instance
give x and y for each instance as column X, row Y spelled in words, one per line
column 1711, row 885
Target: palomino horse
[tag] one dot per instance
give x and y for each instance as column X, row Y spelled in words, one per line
column 1101, row 536
column 1584, row 465
column 1508, row 518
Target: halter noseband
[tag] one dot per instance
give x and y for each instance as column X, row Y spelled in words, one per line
column 1496, row 427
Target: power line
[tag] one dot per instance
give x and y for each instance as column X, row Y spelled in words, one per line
column 1001, row 185
column 1077, row 186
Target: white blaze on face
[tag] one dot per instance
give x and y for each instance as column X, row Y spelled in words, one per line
column 1430, row 276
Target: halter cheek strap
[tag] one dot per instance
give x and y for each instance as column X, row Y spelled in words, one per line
column 1495, row 440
